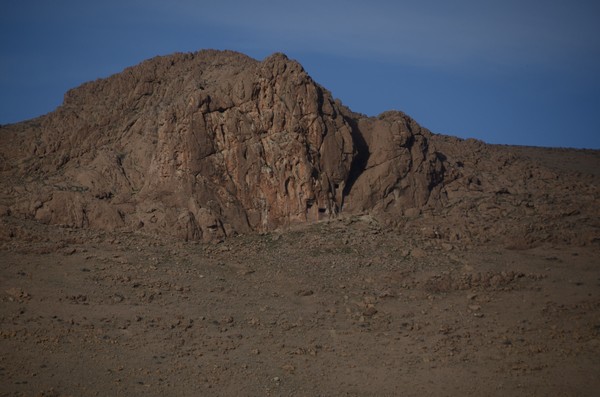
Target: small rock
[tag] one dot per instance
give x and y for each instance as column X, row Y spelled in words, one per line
column 246, row 272
column 447, row 247
column 412, row 212
column 385, row 294
column 17, row 293
column 404, row 253
column 69, row 251
column 370, row 311
column 14, row 292
column 418, row 253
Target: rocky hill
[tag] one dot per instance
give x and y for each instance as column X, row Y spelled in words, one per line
column 390, row 260
column 214, row 143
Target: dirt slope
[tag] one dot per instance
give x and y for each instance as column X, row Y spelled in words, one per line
column 340, row 308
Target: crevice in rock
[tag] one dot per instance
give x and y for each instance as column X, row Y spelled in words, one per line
column 360, row 160
column 437, row 175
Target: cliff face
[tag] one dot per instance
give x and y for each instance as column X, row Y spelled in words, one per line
column 210, row 144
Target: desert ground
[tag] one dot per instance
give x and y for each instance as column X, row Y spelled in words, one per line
column 345, row 307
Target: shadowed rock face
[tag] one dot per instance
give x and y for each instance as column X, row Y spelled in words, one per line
column 396, row 169
column 214, row 143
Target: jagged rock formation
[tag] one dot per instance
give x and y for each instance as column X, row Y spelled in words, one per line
column 214, row 143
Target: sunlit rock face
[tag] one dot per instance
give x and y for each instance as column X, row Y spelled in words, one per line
column 214, row 143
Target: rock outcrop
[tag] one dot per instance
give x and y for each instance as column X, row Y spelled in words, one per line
column 214, row 143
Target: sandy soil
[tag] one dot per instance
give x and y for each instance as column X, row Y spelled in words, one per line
column 344, row 307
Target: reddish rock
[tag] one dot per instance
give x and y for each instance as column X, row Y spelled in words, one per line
column 214, row 143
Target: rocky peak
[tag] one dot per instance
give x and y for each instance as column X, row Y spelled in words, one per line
column 213, row 143
column 208, row 144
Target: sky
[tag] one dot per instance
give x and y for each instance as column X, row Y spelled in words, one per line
column 511, row 72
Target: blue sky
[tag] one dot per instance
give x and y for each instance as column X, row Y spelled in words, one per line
column 514, row 72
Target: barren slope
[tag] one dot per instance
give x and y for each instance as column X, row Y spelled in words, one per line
column 340, row 308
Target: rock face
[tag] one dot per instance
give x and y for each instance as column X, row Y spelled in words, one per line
column 397, row 168
column 210, row 144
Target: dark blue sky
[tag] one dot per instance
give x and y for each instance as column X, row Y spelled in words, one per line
column 515, row 72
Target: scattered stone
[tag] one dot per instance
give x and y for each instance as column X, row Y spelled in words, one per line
column 418, row 253
column 369, row 311
column 17, row 294
column 118, row 298
column 412, row 212
column 384, row 294
column 69, row 251
column 447, row 247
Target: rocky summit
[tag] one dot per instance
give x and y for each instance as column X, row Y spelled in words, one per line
column 211, row 144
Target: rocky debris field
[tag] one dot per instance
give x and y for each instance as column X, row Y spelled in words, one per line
column 343, row 307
